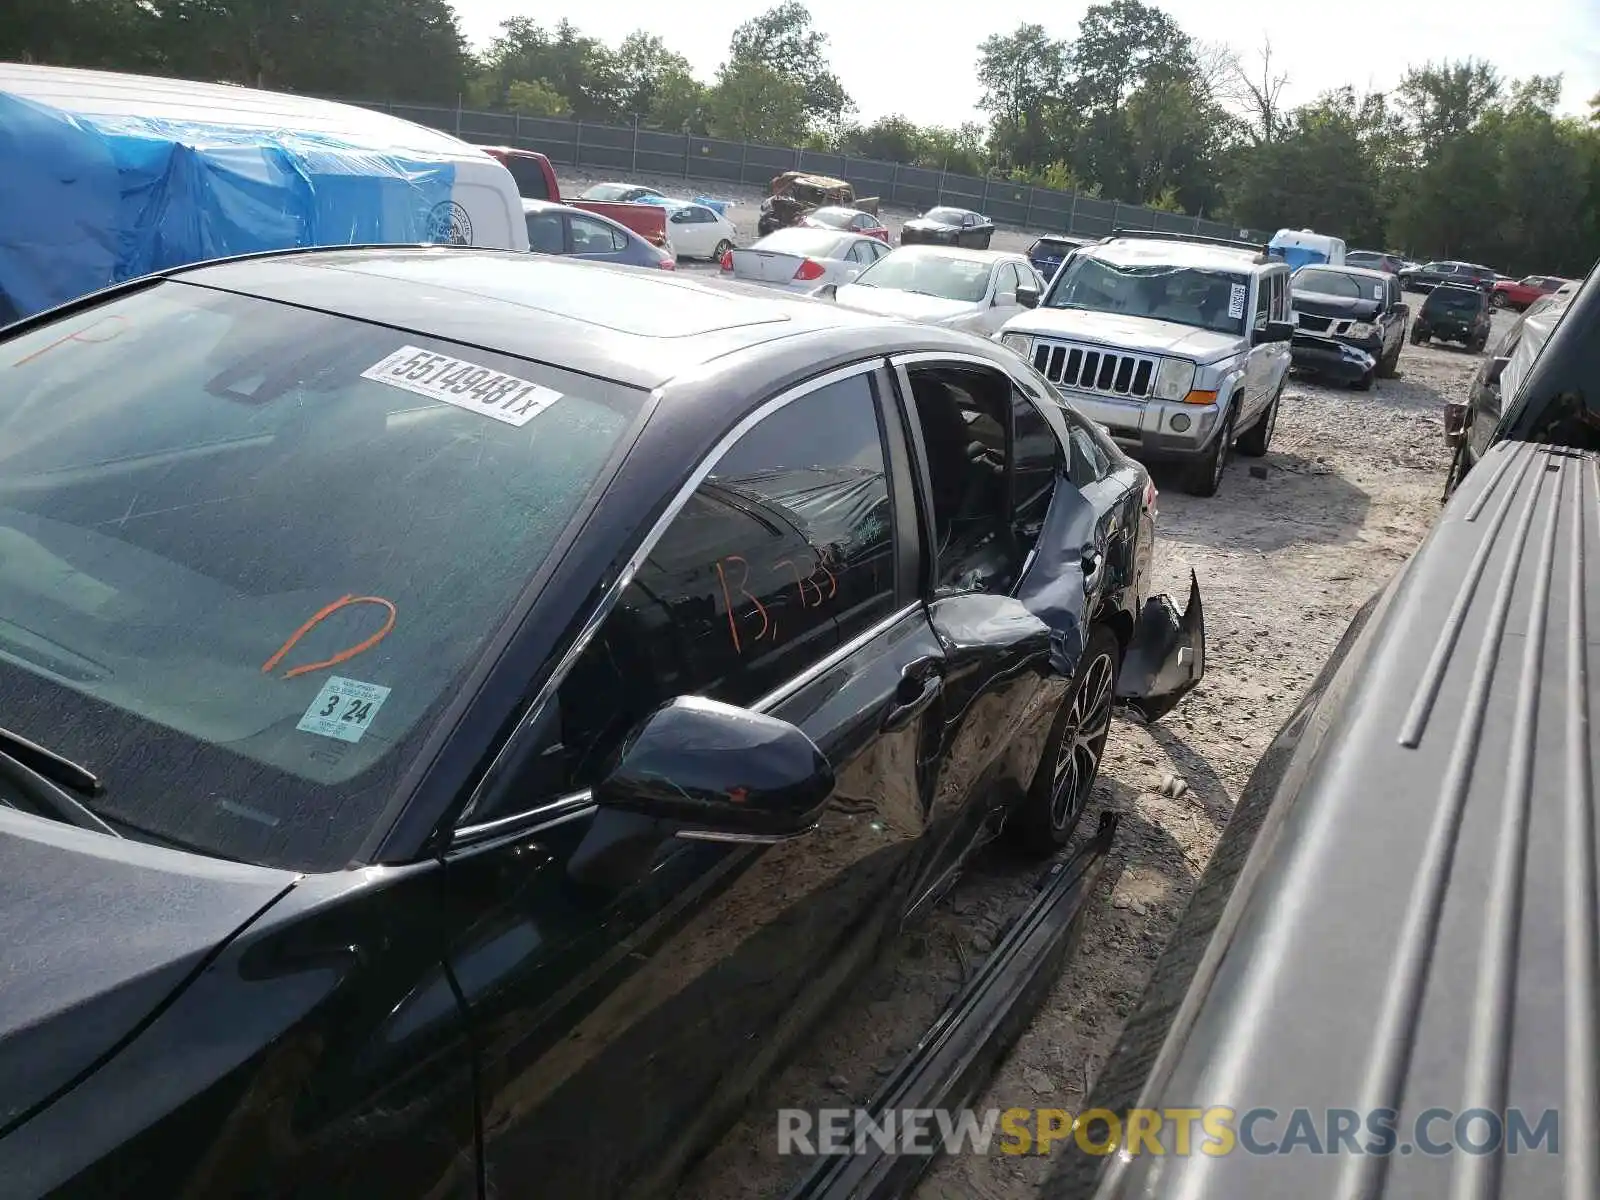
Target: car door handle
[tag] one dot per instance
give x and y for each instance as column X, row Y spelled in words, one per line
column 921, row 682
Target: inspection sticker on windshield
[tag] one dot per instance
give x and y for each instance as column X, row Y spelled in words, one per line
column 466, row 385
column 343, row 709
column 1236, row 295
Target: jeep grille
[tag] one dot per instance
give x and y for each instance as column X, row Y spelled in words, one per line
column 1088, row 369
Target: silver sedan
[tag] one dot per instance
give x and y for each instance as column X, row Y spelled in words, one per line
column 801, row 260
column 973, row 290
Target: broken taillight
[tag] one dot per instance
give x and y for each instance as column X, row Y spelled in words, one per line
column 810, row 269
column 1150, row 496
column 727, row 260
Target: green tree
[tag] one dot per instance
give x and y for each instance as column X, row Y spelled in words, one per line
column 582, row 70
column 1317, row 174
column 753, row 102
column 782, row 42
column 1445, row 100
column 535, row 98
column 650, row 77
column 119, row 34
column 1022, row 75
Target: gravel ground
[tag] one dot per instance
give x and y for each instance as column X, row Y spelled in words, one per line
column 1350, row 487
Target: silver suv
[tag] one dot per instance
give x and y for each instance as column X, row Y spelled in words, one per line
column 1178, row 346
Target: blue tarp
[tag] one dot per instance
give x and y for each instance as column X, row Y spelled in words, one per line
column 88, row 201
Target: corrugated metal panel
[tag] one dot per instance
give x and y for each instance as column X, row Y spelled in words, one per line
column 1421, row 929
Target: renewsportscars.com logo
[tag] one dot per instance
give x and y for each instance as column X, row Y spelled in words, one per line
column 1180, row 1132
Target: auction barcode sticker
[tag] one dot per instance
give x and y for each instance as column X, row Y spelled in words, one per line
column 467, row 385
column 1236, row 298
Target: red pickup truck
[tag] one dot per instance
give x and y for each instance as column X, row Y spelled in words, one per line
column 536, row 180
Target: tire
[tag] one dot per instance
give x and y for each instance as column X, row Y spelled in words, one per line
column 1498, row 299
column 1389, row 364
column 1253, row 442
column 1205, row 475
column 1056, row 798
column 720, row 249
column 1418, row 338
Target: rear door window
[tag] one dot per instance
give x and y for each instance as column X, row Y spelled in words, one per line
column 528, row 174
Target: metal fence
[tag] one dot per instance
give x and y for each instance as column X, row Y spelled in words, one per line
column 629, row 150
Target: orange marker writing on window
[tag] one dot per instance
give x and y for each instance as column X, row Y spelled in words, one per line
column 316, row 619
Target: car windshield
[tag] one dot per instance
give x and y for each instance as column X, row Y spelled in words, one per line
column 945, row 216
column 1203, row 298
column 808, row 243
column 249, row 551
column 944, row 276
column 1455, row 299
column 1334, row 283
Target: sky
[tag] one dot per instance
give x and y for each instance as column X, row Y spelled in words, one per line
column 897, row 56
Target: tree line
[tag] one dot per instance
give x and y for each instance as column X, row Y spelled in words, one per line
column 1457, row 161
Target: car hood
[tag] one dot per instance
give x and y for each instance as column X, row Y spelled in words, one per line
column 1139, row 334
column 923, row 223
column 1323, row 305
column 99, row 932
column 890, row 302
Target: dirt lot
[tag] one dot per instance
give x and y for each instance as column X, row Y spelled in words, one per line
column 1350, row 487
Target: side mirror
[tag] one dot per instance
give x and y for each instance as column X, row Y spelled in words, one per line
column 1028, row 297
column 1495, row 368
column 706, row 771
column 1276, row 331
column 828, row 291
column 715, row 769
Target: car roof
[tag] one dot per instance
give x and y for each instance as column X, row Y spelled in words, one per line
column 637, row 327
column 1155, row 252
column 1347, row 269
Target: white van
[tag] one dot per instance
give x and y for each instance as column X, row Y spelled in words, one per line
column 104, row 177
column 1297, row 247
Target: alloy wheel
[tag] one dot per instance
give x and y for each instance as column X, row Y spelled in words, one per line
column 1083, row 741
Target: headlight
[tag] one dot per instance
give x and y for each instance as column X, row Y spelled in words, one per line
column 1360, row 329
column 1174, row 378
column 1019, row 344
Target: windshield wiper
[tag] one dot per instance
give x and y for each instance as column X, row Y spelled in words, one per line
column 46, row 794
column 48, row 763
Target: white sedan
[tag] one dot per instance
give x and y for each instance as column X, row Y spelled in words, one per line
column 803, row 260
column 697, row 231
column 974, row 290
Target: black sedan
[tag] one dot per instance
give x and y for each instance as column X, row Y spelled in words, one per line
column 1350, row 323
column 465, row 713
column 949, row 227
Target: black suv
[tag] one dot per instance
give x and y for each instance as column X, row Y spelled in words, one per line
column 1454, row 313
